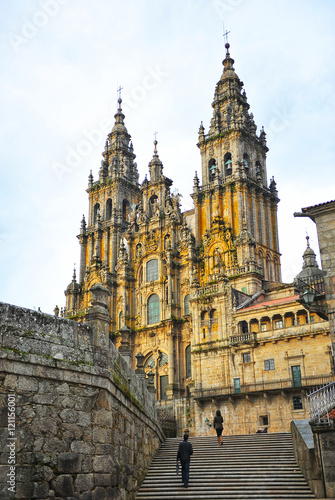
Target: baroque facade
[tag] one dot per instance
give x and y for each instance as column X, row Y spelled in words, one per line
column 197, row 295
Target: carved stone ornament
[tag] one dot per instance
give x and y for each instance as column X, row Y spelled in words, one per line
column 151, row 242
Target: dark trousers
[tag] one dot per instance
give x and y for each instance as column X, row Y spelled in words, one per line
column 185, row 472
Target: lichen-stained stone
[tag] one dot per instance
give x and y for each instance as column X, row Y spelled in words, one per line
column 69, row 462
column 44, row 426
column 99, row 493
column 63, row 486
column 82, row 447
column 102, row 463
column 66, row 412
column 84, row 482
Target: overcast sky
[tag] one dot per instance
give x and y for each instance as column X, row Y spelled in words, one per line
column 62, row 61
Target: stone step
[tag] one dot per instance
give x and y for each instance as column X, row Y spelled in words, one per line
column 245, row 467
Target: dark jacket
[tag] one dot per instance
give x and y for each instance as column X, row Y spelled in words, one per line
column 185, row 451
column 218, row 422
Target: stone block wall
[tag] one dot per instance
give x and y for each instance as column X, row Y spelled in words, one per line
column 75, row 421
column 324, row 439
column 314, row 449
column 304, row 451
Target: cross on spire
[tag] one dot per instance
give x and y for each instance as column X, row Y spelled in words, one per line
column 225, row 33
column 119, row 91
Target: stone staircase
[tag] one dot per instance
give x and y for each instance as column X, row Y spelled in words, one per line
column 254, row 466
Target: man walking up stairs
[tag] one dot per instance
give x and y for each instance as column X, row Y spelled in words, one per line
column 259, row 466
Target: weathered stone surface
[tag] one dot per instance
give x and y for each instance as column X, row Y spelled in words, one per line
column 103, row 479
column 24, row 490
column 69, row 463
column 102, row 463
column 78, row 429
column 99, row 494
column 82, row 447
column 84, row 482
column 63, row 486
column 41, row 490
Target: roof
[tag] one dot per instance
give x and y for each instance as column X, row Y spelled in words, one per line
column 316, row 206
column 270, row 303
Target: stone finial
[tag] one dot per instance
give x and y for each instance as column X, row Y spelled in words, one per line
column 262, row 136
column 140, row 364
column 99, row 295
column 83, row 225
column 150, row 382
column 56, row 311
column 124, row 348
column 201, row 132
column 228, row 61
column 90, row 179
column 196, row 179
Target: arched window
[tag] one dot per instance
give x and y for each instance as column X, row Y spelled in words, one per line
column 120, row 320
column 96, row 212
column 228, row 164
column 152, row 270
column 188, row 361
column 204, row 318
column 265, row 324
column 277, row 270
column 302, row 317
column 211, row 169
column 246, row 163
column 150, row 362
column 269, row 273
column 213, row 317
column 187, row 304
column 243, row 327
column 153, row 205
column 164, row 359
column 153, row 309
column 258, row 168
column 125, row 210
column 277, row 321
column 261, row 262
column 139, row 251
column 167, row 242
column 108, row 209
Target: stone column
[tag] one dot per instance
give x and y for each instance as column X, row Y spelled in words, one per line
column 171, row 365
column 114, row 249
column 106, row 247
column 124, row 348
column 98, row 317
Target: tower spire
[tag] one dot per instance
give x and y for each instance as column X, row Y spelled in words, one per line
column 155, row 166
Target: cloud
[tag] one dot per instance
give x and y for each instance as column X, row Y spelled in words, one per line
column 61, row 85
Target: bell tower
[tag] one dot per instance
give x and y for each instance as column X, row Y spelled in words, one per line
column 111, row 199
column 235, row 207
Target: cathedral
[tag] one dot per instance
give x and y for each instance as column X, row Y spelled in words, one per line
column 196, row 297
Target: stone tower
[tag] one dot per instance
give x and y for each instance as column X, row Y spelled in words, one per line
column 235, row 209
column 110, row 200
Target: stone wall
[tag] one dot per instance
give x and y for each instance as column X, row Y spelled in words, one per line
column 304, row 451
column 324, row 439
column 85, row 426
column 314, row 451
